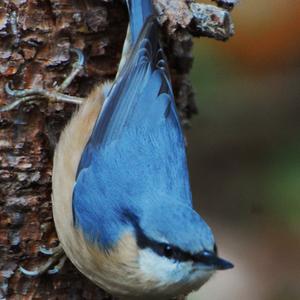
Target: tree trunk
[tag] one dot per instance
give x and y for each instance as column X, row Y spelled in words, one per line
column 35, row 41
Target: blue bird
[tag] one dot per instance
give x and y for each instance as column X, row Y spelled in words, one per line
column 122, row 202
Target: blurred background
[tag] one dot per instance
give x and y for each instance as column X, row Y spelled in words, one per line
column 244, row 151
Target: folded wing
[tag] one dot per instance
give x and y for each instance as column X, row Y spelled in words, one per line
column 137, row 146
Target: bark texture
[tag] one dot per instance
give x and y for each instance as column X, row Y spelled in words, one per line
column 35, row 41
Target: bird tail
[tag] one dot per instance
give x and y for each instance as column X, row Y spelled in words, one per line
column 139, row 11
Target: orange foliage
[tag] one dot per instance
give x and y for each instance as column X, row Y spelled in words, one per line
column 266, row 38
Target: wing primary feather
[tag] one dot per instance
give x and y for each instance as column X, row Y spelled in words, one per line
column 146, row 57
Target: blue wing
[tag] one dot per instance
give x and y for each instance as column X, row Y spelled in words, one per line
column 136, row 152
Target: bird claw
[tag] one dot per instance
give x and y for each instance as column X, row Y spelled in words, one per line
column 26, row 95
column 57, row 268
column 50, row 251
column 76, row 68
column 53, row 265
column 29, row 273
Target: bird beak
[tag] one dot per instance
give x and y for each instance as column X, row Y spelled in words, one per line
column 222, row 264
column 211, row 260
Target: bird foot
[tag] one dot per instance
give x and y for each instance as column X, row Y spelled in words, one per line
column 53, row 265
column 26, row 95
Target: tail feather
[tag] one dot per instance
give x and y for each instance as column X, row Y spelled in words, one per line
column 139, row 11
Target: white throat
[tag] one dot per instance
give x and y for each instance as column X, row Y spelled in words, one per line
column 180, row 277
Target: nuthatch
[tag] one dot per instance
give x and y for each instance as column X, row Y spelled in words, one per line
column 122, row 202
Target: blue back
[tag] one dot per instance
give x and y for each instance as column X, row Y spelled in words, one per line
column 135, row 159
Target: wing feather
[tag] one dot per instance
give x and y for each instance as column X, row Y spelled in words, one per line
column 137, row 143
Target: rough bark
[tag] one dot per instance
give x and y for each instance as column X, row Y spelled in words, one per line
column 35, row 41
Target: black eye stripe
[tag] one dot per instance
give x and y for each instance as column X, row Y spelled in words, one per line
column 164, row 249
column 169, row 251
column 215, row 249
column 172, row 252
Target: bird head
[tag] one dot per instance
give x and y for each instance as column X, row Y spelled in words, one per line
column 176, row 248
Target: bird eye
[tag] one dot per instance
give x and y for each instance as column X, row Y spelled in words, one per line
column 168, row 251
